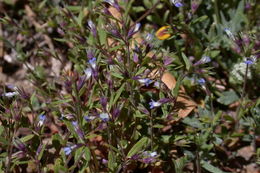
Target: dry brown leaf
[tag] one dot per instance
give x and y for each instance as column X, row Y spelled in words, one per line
column 246, row 152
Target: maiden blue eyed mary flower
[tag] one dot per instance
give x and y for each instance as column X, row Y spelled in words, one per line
column 69, row 149
column 154, row 104
column 203, row 60
column 251, row 60
column 177, row 3
column 92, row 27
column 104, row 117
column 145, row 81
column 93, row 63
column 42, row 119
column 229, row 33
column 89, row 118
column 88, row 73
column 201, row 81
column 133, row 30
column 10, row 94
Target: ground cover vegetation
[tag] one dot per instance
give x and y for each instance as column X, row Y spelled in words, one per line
column 157, row 86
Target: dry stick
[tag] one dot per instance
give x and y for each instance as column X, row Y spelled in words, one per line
column 146, row 14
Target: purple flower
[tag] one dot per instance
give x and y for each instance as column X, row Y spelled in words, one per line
column 77, row 129
column 133, row 30
column 103, row 102
column 92, row 27
column 149, row 37
column 154, row 104
column 149, row 157
column 167, row 60
column 203, row 60
column 104, row 161
column 177, row 3
column 89, row 118
column 104, row 117
column 135, row 58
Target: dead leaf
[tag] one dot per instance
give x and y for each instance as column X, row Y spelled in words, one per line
column 246, row 152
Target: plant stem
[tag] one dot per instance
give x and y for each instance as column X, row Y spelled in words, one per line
column 216, row 11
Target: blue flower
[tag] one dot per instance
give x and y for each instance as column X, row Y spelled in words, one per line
column 93, row 63
column 104, row 117
column 149, row 37
column 154, row 104
column 42, row 119
column 229, row 33
column 201, row 81
column 68, row 149
column 89, row 118
column 92, row 27
column 145, row 81
column 88, row 72
column 251, row 60
column 137, row 27
column 177, row 3
column 10, row 94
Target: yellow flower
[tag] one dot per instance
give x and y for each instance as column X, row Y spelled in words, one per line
column 163, row 33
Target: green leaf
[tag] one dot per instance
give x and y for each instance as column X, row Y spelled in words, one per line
column 41, row 153
column 176, row 89
column 211, row 168
column 186, row 61
column 142, row 143
column 118, row 93
column 112, row 160
column 228, row 97
column 27, row 138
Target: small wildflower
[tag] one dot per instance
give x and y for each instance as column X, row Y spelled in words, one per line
column 104, row 117
column 251, row 60
column 177, row 3
column 203, row 60
column 89, row 118
column 135, row 58
column 68, row 149
column 145, row 81
column 42, row 119
column 10, row 94
column 93, row 63
column 92, row 27
column 229, row 33
column 167, row 60
column 104, row 161
column 154, row 104
column 201, row 81
column 133, row 30
column 153, row 154
column 111, row 2
column 137, row 27
column 149, row 37
column 88, row 73
column 163, row 33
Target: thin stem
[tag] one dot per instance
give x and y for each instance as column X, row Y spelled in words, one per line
column 151, row 122
column 216, row 11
